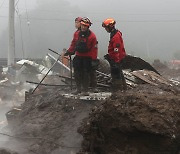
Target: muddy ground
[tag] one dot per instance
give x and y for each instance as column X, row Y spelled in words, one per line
column 142, row 120
column 50, row 122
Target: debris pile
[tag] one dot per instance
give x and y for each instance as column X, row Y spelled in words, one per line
column 168, row 70
column 142, row 120
column 17, row 79
column 50, row 121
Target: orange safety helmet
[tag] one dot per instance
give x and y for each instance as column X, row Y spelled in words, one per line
column 85, row 21
column 109, row 22
column 78, row 19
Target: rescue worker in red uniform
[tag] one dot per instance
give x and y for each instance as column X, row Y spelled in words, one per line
column 116, row 53
column 65, row 59
column 78, row 27
column 85, row 49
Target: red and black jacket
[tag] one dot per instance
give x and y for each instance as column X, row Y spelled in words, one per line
column 87, row 41
column 116, row 48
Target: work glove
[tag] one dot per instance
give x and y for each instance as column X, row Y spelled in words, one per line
column 68, row 53
column 106, row 57
column 111, row 61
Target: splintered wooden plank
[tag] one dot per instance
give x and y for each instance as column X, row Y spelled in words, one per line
column 157, row 77
column 141, row 75
column 150, row 77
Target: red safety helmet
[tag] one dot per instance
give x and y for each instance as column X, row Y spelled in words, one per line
column 78, row 19
column 85, row 21
column 109, row 22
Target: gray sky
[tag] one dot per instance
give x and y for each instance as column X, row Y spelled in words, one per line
column 150, row 27
column 4, row 4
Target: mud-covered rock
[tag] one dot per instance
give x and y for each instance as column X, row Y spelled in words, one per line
column 142, row 120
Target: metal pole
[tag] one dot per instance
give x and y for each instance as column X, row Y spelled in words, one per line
column 71, row 70
column 67, row 68
column 11, row 48
column 45, row 75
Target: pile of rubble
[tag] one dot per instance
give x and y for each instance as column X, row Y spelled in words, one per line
column 168, row 70
column 50, row 122
column 144, row 119
column 17, row 79
column 26, row 75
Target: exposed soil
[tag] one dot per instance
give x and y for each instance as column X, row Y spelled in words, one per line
column 142, row 120
column 52, row 121
column 139, row 121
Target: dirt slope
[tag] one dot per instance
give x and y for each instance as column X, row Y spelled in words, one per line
column 142, row 120
column 53, row 120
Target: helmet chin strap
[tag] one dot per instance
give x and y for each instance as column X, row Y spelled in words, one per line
column 111, row 29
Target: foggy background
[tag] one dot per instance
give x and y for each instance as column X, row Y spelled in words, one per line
column 150, row 28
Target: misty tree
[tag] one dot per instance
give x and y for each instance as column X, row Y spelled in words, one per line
column 49, row 25
column 53, row 4
column 177, row 55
